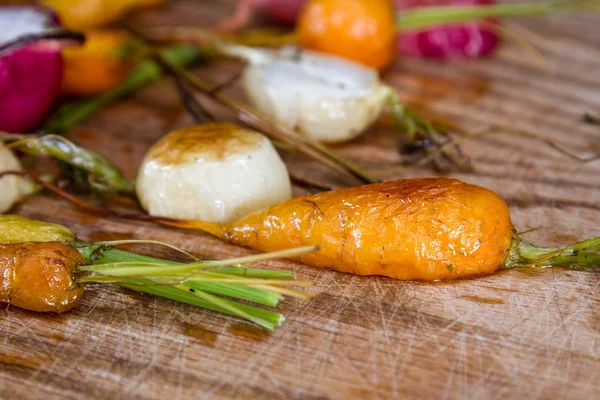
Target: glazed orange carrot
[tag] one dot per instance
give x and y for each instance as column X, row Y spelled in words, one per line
column 425, row 229
column 96, row 66
column 360, row 30
column 39, row 276
column 44, row 266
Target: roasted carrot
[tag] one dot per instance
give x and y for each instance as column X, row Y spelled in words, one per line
column 43, row 268
column 39, row 276
column 101, row 64
column 426, row 229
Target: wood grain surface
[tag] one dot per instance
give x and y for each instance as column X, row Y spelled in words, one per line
column 516, row 334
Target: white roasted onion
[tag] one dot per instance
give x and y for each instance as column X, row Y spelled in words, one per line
column 212, row 172
column 327, row 98
column 12, row 188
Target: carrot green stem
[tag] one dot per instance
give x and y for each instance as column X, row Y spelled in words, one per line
column 198, row 283
column 115, row 255
column 136, row 268
column 145, row 73
column 102, row 173
column 267, row 319
column 426, row 17
column 581, row 255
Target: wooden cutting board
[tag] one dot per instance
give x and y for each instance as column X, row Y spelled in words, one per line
column 517, row 334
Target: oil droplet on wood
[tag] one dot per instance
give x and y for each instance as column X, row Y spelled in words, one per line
column 207, row 338
column 484, row 300
column 248, row 331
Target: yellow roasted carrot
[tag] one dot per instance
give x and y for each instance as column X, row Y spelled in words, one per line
column 426, row 229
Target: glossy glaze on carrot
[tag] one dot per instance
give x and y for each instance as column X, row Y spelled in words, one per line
column 428, row 229
column 39, row 276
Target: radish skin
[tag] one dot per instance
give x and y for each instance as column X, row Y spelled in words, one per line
column 30, row 75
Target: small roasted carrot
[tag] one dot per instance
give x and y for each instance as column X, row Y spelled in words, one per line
column 39, row 276
column 426, row 229
column 43, row 268
column 97, row 66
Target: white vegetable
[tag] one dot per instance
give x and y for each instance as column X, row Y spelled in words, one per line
column 20, row 21
column 211, row 172
column 12, row 188
column 327, row 98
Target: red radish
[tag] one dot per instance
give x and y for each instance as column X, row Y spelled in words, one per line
column 466, row 39
column 31, row 73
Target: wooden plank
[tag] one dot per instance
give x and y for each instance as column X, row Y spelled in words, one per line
column 516, row 334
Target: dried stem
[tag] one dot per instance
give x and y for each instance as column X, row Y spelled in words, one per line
column 196, row 110
column 275, row 131
column 417, row 127
column 496, row 130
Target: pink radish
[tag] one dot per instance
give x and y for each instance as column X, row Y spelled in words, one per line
column 30, row 73
column 465, row 39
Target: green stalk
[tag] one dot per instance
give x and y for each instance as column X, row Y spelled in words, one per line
column 256, row 273
column 426, row 17
column 145, row 73
column 102, row 171
column 234, row 290
column 264, row 318
column 581, row 255
column 136, row 268
column 194, row 283
column 114, row 255
column 233, row 308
